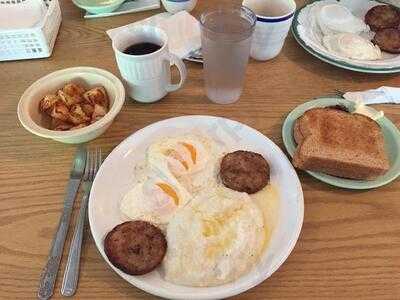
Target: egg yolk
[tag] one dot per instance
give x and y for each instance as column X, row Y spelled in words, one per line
column 224, row 239
column 215, row 227
column 174, row 154
column 192, row 151
column 211, row 227
column 220, row 246
column 169, row 191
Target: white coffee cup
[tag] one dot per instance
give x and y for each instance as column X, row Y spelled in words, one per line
column 174, row 6
column 147, row 77
column 274, row 18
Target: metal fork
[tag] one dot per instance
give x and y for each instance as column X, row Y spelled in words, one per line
column 71, row 273
column 339, row 93
column 196, row 56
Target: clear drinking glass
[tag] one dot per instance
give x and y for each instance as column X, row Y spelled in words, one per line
column 226, row 40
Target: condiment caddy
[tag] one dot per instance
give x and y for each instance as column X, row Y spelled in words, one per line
column 34, row 42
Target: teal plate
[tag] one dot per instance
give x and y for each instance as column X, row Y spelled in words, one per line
column 98, row 6
column 337, row 63
column 390, row 133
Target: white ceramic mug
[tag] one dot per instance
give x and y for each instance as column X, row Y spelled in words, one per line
column 274, row 18
column 174, row 6
column 147, row 77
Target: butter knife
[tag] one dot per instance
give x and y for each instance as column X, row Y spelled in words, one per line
column 49, row 273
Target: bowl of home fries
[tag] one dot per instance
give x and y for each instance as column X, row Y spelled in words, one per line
column 73, row 105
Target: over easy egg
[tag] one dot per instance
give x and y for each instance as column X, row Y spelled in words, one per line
column 352, row 46
column 191, row 159
column 154, row 200
column 215, row 239
column 336, row 18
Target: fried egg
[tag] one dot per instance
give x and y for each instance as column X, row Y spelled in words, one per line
column 352, row 46
column 267, row 201
column 215, row 239
column 155, row 200
column 336, row 18
column 190, row 159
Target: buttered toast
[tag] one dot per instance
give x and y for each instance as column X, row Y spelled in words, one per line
column 339, row 143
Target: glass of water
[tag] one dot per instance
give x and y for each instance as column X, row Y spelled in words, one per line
column 226, row 40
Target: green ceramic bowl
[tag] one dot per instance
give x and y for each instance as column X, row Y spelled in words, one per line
column 98, row 6
column 392, row 144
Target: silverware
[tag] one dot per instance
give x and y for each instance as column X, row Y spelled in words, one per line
column 195, row 56
column 71, row 273
column 339, row 93
column 49, row 273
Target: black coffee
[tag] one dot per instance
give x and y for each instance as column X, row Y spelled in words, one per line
column 142, row 49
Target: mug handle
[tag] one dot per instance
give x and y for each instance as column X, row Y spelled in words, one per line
column 175, row 60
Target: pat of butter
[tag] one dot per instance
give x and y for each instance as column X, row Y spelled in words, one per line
column 369, row 112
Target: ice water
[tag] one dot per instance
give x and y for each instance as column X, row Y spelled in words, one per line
column 226, row 41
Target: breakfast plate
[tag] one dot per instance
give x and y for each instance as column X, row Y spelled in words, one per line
column 390, row 132
column 116, row 175
column 307, row 34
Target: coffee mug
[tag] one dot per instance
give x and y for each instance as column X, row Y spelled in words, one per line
column 147, row 76
column 274, row 18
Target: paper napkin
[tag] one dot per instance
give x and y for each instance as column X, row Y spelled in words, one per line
column 381, row 95
column 182, row 29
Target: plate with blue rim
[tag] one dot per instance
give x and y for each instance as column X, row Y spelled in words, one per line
column 390, row 132
column 337, row 62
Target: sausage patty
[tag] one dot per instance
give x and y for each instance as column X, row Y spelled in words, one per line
column 135, row 247
column 388, row 40
column 383, row 16
column 244, row 171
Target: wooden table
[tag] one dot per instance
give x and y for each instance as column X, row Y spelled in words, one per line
column 350, row 243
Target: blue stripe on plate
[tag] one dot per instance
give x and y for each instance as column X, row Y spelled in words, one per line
column 178, row 0
column 274, row 20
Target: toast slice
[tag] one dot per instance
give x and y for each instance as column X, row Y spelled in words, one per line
column 339, row 143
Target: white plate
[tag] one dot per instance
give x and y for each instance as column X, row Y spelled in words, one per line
column 115, row 177
column 302, row 29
